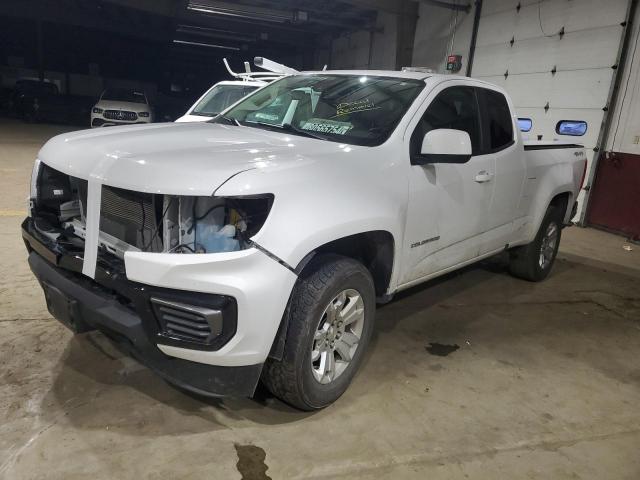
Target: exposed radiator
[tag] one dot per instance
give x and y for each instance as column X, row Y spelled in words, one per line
column 130, row 217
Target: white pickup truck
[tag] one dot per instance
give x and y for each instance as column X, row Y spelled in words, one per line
column 256, row 245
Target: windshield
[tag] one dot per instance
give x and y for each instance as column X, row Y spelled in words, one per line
column 124, row 95
column 351, row 109
column 220, row 97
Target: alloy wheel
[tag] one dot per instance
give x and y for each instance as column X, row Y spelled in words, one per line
column 336, row 339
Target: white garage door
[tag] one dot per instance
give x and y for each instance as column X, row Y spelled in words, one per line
column 518, row 48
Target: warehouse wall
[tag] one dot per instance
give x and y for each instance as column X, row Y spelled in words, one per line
column 440, row 32
column 355, row 51
column 79, row 84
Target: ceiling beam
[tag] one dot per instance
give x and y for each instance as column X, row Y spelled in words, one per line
column 90, row 17
column 389, row 6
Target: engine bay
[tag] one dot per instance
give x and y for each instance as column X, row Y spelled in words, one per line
column 145, row 222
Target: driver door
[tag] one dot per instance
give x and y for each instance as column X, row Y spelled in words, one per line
column 449, row 204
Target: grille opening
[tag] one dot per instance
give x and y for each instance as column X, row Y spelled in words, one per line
column 148, row 222
column 132, row 217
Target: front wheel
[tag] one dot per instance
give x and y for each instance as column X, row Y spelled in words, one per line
column 533, row 261
column 330, row 324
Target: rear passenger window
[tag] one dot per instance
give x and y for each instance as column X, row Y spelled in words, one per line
column 454, row 107
column 499, row 121
column 575, row 128
column 525, row 124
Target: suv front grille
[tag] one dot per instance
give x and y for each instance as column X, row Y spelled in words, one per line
column 187, row 322
column 121, row 115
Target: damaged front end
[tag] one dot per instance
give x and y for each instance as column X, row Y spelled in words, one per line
column 143, row 222
column 179, row 332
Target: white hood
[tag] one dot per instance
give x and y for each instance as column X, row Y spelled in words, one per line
column 194, row 118
column 178, row 159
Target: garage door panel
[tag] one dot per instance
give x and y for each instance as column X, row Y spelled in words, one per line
column 503, row 24
column 497, row 6
column 497, row 28
column 579, row 50
column 587, row 91
column 583, row 58
column 578, row 14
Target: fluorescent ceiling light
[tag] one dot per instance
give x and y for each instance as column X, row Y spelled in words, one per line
column 240, row 11
column 208, row 45
column 214, row 33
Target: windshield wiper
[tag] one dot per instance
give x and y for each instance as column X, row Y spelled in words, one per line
column 229, row 120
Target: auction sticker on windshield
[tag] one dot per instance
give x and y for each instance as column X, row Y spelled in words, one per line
column 352, row 107
column 327, row 126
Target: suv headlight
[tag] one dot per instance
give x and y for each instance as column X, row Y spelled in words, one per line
column 97, row 110
column 143, row 114
column 213, row 224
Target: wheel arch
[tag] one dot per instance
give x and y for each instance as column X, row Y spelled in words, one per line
column 374, row 249
column 561, row 198
column 562, row 201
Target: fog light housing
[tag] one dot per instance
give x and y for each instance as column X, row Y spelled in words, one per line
column 205, row 323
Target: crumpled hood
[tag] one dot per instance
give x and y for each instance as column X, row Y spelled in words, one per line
column 176, row 158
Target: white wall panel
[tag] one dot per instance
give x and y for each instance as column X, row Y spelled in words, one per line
column 498, row 6
column 588, row 92
column 579, row 50
column 441, row 32
column 357, row 51
column 574, row 15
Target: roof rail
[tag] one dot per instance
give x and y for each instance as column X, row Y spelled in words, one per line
column 272, row 66
column 418, row 69
column 275, row 70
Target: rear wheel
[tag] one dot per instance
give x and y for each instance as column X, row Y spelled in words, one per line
column 533, row 261
column 330, row 324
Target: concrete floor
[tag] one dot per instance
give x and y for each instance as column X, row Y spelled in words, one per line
column 545, row 384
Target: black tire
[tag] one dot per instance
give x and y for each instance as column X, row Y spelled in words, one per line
column 524, row 262
column 291, row 379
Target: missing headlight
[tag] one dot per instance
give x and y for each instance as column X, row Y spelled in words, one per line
column 138, row 221
column 213, row 224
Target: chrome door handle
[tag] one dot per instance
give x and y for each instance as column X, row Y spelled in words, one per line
column 483, row 176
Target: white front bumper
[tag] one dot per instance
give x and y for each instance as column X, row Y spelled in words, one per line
column 260, row 285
